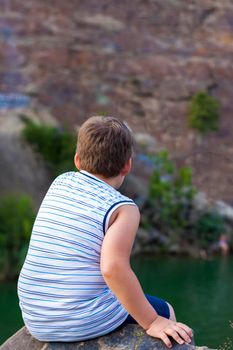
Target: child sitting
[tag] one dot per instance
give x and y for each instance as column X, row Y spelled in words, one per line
column 76, row 282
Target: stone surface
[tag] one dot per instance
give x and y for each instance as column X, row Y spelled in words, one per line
column 200, row 202
column 22, row 171
column 129, row 337
column 225, row 210
column 141, row 62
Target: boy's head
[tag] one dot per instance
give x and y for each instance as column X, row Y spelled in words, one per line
column 104, row 146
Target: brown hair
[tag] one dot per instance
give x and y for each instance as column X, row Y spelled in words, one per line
column 104, row 146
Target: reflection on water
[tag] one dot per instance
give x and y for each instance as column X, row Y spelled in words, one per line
column 200, row 291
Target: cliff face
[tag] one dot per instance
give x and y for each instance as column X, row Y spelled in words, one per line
column 141, row 61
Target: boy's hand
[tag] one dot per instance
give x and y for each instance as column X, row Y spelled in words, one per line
column 163, row 328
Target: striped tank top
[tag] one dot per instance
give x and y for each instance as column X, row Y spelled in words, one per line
column 62, row 294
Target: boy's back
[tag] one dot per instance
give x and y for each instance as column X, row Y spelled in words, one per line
column 61, row 279
column 77, row 282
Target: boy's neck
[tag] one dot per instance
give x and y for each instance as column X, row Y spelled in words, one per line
column 115, row 181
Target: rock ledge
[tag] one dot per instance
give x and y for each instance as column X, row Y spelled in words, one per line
column 128, row 337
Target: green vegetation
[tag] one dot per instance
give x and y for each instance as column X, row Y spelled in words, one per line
column 203, row 113
column 170, row 209
column 170, row 195
column 57, row 148
column 16, row 220
column 208, row 228
column 55, row 145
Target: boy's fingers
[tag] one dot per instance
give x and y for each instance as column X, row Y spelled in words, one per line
column 175, row 335
column 183, row 334
column 165, row 339
column 188, row 330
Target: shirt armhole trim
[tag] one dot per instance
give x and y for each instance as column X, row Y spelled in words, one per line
column 111, row 210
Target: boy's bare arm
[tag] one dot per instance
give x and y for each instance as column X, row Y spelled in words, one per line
column 116, row 270
column 115, row 265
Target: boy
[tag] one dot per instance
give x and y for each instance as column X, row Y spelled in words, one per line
column 76, row 282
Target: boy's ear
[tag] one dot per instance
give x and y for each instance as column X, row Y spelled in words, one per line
column 127, row 167
column 77, row 161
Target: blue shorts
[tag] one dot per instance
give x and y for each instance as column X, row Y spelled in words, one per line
column 160, row 306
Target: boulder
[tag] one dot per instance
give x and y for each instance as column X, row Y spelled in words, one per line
column 22, row 170
column 225, row 210
column 200, row 201
column 128, row 337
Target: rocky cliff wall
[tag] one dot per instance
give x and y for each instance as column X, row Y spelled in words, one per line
column 139, row 60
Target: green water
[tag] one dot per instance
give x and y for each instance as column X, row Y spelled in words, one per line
column 10, row 316
column 200, row 291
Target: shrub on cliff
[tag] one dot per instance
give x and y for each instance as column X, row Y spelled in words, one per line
column 208, row 228
column 203, row 113
column 16, row 221
column 55, row 145
column 170, row 196
column 169, row 208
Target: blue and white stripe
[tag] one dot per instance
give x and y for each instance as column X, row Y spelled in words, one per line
column 63, row 296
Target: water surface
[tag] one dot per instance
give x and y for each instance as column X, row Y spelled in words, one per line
column 200, row 291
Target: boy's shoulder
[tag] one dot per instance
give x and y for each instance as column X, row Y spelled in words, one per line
column 90, row 186
column 63, row 176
